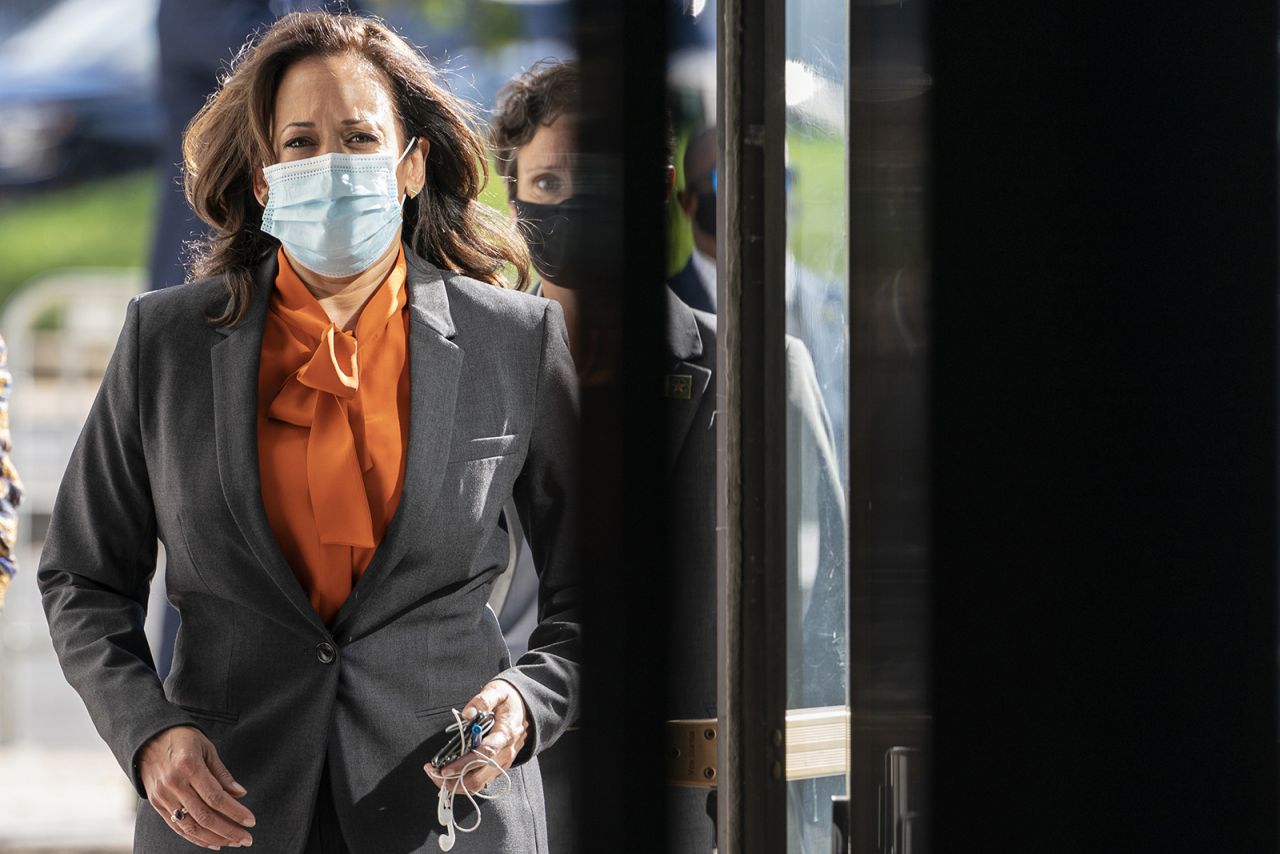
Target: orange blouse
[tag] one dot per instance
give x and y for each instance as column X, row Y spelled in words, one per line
column 333, row 422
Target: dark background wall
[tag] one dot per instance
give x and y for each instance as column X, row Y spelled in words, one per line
column 1104, row 426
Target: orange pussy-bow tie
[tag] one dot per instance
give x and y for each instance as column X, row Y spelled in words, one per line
column 317, row 396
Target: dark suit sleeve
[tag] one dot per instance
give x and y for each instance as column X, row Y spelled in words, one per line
column 97, row 563
column 546, row 492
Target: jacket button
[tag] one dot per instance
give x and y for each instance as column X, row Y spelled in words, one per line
column 326, row 653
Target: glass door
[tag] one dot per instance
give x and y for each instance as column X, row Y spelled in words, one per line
column 816, row 356
column 822, row 304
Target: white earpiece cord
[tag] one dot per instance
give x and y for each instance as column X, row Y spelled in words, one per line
column 444, row 807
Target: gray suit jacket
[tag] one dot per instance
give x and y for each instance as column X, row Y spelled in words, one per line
column 815, row 495
column 170, row 451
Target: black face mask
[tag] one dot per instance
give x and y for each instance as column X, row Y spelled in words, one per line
column 705, row 216
column 555, row 237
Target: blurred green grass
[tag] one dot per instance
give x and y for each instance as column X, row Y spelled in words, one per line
column 817, row 218
column 104, row 223
column 494, row 193
column 107, row 223
column 817, row 214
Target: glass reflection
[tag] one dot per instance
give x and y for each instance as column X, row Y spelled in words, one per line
column 817, row 381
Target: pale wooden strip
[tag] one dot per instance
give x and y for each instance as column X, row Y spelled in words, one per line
column 817, row 742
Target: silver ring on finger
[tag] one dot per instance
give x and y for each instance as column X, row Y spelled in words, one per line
column 178, row 815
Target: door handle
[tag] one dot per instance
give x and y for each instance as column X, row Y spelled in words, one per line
column 840, row 821
column 899, row 800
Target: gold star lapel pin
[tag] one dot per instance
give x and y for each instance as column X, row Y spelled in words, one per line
column 679, row 386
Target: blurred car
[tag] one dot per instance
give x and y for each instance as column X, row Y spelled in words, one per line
column 78, row 93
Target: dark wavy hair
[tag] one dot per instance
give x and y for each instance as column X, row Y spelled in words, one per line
column 231, row 136
column 546, row 91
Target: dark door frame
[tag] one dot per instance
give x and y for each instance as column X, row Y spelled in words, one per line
column 751, row 458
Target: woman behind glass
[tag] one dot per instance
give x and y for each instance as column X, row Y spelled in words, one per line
column 322, row 431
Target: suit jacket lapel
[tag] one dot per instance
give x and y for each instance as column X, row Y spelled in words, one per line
column 684, row 349
column 684, row 344
column 235, row 417
column 435, row 364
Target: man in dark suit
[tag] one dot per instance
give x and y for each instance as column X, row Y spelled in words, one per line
column 533, row 131
column 816, row 302
column 695, row 282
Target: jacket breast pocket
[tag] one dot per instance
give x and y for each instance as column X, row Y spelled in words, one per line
column 483, row 447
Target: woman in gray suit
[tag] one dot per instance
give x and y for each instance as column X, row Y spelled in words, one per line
column 323, row 430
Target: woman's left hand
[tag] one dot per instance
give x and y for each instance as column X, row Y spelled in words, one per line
column 503, row 742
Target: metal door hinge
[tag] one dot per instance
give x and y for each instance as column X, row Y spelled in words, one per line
column 691, row 752
column 816, row 745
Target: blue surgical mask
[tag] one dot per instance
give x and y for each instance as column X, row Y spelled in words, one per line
column 335, row 213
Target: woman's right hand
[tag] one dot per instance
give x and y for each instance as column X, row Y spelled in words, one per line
column 180, row 769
